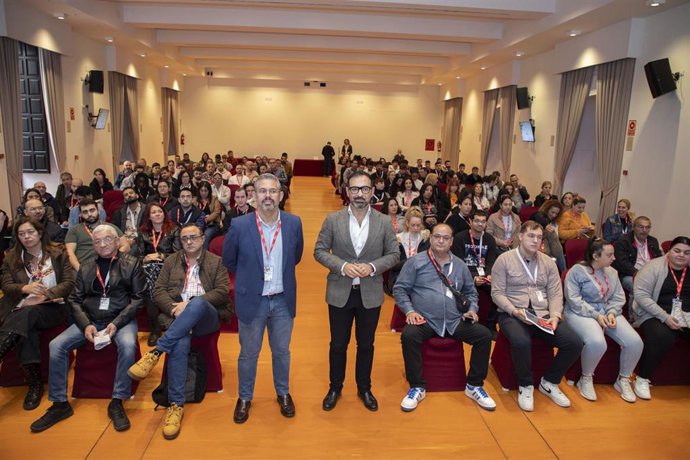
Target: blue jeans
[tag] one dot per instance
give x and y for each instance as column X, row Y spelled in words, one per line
column 272, row 314
column 210, row 233
column 198, row 318
column 73, row 337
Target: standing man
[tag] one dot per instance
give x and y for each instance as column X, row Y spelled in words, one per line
column 357, row 246
column 431, row 311
column 263, row 249
column 328, row 152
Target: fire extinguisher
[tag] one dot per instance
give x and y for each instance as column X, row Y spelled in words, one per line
column 182, row 139
column 438, row 146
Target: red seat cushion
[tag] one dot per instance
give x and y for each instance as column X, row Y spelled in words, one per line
column 674, row 368
column 443, row 364
column 575, row 251
column 94, row 371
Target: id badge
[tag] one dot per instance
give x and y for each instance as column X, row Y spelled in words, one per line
column 449, row 294
column 540, row 296
column 480, row 271
column 677, row 303
column 268, row 274
column 104, row 303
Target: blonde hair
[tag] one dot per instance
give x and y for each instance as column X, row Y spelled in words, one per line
column 431, row 178
column 414, row 211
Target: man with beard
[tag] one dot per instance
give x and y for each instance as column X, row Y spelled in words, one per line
column 185, row 212
column 357, row 246
column 262, row 249
column 79, row 239
column 81, row 193
column 127, row 170
column 128, row 216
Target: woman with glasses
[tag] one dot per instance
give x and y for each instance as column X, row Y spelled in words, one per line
column 594, row 300
column 184, row 180
column 36, row 278
column 158, row 238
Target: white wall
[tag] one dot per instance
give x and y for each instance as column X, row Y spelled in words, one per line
column 287, row 117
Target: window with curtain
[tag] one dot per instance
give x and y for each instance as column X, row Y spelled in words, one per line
column 35, row 144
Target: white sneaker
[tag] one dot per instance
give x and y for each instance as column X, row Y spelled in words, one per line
column 526, row 398
column 586, row 387
column 413, row 397
column 553, row 392
column 642, row 388
column 480, row 397
column 623, row 386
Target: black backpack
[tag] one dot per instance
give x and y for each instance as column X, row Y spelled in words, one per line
column 195, row 386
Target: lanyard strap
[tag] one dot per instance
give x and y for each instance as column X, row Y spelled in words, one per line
column 88, row 230
column 163, row 203
column 103, row 283
column 532, row 278
column 477, row 249
column 508, row 224
column 186, row 220
column 411, row 250
column 155, row 241
column 604, row 292
column 679, row 284
column 188, row 272
column 268, row 250
column 443, row 276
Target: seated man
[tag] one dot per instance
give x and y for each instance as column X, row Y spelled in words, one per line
column 163, row 196
column 478, row 250
column 37, row 210
column 185, row 212
column 108, row 292
column 431, row 311
column 633, row 251
column 49, row 200
column 128, row 217
column 83, row 192
column 241, row 208
column 192, row 291
column 526, row 280
column 520, row 195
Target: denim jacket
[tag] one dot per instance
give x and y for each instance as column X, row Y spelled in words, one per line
column 583, row 295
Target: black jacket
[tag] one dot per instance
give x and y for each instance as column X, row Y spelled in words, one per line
column 626, row 253
column 462, row 247
column 119, row 218
column 127, row 286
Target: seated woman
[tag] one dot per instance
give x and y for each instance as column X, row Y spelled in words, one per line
column 575, row 224
column 158, row 238
column 142, row 185
column 545, row 194
column 380, row 195
column 567, row 201
column 407, row 194
column 453, row 192
column 660, row 288
column 36, row 278
column 211, row 209
column 619, row 224
column 594, row 300
column 392, row 210
column 491, row 189
column 509, row 190
column 433, row 211
column 480, row 201
column 184, row 180
column 414, row 238
column 459, row 217
column 547, row 216
column 100, row 184
column 504, row 225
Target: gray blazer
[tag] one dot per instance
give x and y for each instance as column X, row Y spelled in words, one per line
column 334, row 248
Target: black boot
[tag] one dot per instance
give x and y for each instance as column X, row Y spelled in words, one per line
column 32, row 372
column 8, row 340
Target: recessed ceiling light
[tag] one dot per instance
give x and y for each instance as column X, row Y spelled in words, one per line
column 143, row 55
column 109, row 39
column 483, row 67
column 184, row 74
column 519, row 53
column 439, row 84
column 166, row 66
column 573, row 33
column 61, row 16
column 457, row 78
column 654, row 3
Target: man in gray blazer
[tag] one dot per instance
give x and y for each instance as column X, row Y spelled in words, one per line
column 357, row 246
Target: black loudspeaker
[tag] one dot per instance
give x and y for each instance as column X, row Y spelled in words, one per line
column 522, row 97
column 659, row 77
column 96, row 81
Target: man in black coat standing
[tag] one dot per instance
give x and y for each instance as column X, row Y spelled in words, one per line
column 328, row 153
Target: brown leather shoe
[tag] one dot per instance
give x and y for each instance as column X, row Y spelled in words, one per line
column 287, row 406
column 241, row 411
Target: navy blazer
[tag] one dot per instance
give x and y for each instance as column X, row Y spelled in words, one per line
column 242, row 255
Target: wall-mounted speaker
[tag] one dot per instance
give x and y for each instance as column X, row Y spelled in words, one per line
column 522, row 97
column 659, row 77
column 95, row 81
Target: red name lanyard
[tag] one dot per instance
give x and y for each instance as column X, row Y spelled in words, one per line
column 410, row 249
column 188, row 217
column 107, row 277
column 433, row 261
column 679, row 284
column 155, row 241
column 395, row 223
column 188, row 273
column 604, row 292
column 72, row 201
column 428, row 209
column 88, row 230
column 163, row 203
column 263, row 240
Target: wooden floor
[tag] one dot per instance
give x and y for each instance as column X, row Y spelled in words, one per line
column 445, row 425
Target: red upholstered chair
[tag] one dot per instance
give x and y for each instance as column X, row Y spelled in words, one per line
column 94, row 371
column 443, row 365
column 11, row 373
column 397, row 320
column 207, row 346
column 216, row 245
column 485, row 304
column 378, row 207
column 143, row 321
column 527, row 212
column 233, row 189
column 673, row 369
column 112, row 200
column 666, row 246
column 441, row 186
column 607, row 369
column 574, row 251
column 502, row 361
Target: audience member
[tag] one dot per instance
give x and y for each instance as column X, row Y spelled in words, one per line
column 504, row 225
column 547, row 217
column 185, row 211
column 619, row 224
column 100, row 184
column 128, row 217
column 575, row 224
column 545, row 194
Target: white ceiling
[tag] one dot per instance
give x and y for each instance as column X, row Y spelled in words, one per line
column 356, row 41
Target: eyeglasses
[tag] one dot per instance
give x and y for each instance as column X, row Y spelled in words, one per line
column 190, row 238
column 106, row 240
column 36, row 209
column 26, row 233
column 444, row 238
column 355, row 190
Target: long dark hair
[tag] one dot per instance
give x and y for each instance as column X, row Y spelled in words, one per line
column 47, row 246
column 594, row 247
column 147, row 226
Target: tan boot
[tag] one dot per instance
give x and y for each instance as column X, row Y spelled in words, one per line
column 173, row 421
column 142, row 368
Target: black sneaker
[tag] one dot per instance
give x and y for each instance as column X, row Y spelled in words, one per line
column 117, row 414
column 58, row 411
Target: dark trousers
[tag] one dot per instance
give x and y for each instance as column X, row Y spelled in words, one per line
column 152, row 313
column 341, row 329
column 28, row 323
column 520, row 337
column 327, row 166
column 658, row 341
column 475, row 334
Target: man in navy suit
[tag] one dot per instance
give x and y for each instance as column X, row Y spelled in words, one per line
column 263, row 249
